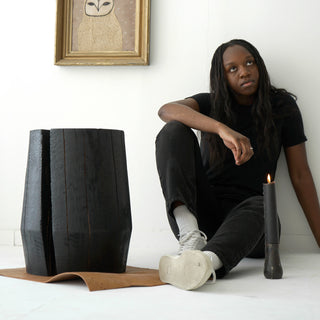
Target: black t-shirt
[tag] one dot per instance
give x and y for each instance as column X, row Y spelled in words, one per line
column 241, row 182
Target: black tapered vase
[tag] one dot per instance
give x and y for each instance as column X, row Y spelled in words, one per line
column 76, row 212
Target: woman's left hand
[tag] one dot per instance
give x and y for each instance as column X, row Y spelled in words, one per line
column 239, row 144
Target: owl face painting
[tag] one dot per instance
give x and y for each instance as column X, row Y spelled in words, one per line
column 98, row 8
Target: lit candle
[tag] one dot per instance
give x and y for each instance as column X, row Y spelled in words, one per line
column 272, row 266
column 270, row 212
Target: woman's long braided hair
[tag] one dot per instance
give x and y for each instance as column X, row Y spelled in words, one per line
column 221, row 99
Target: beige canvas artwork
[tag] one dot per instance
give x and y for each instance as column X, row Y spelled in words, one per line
column 100, row 25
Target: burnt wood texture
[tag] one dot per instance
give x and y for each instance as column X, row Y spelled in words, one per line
column 36, row 217
column 77, row 217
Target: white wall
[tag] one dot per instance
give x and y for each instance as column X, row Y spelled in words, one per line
column 36, row 94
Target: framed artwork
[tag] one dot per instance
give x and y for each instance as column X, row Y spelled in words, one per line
column 100, row 32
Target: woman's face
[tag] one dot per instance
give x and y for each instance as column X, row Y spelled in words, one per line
column 241, row 73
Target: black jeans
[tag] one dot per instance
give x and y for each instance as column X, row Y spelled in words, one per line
column 235, row 228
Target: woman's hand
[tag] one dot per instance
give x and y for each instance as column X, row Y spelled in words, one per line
column 237, row 143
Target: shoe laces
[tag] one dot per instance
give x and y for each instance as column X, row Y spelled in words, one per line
column 213, row 277
column 193, row 240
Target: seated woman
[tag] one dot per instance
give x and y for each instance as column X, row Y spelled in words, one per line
column 213, row 193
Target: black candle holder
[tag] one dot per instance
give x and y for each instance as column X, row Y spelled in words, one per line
column 272, row 265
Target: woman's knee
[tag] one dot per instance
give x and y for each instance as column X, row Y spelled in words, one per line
column 175, row 132
column 173, row 128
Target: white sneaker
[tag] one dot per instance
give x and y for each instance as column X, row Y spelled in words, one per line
column 188, row 271
column 193, row 240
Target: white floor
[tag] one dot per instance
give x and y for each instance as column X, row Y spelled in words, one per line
column 243, row 294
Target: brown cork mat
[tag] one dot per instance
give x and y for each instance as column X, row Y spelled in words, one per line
column 133, row 277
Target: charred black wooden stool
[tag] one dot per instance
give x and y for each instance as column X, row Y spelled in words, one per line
column 76, row 209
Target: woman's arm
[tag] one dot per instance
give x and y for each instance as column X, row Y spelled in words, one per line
column 304, row 187
column 187, row 112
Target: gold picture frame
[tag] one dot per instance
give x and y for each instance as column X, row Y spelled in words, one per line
column 100, row 32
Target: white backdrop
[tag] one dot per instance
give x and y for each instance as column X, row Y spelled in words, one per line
column 35, row 94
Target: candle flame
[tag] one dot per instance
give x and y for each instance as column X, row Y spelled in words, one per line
column 269, row 178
